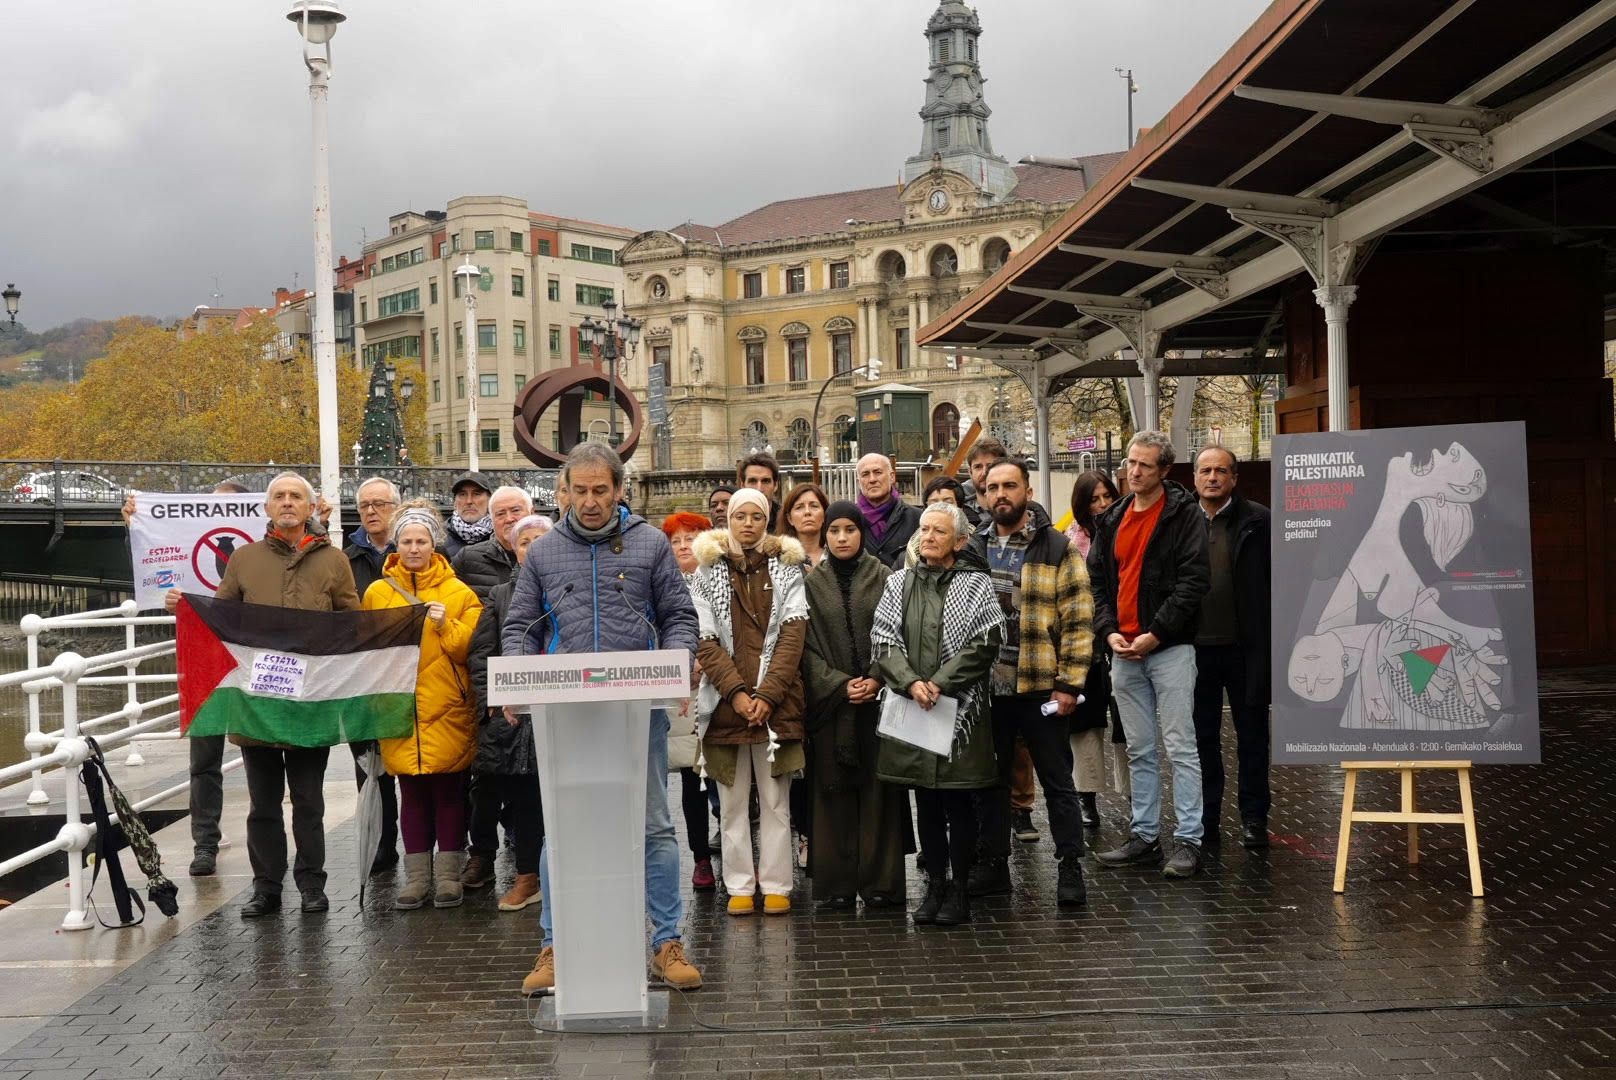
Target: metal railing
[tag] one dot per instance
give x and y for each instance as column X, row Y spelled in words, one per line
column 66, row 748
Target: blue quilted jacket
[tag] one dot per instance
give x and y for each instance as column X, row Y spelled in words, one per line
column 575, row 596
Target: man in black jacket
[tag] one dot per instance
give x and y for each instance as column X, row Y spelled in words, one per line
column 493, row 561
column 368, row 548
column 1149, row 572
column 889, row 522
column 1231, row 647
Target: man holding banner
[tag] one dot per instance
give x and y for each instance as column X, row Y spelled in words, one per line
column 294, row 566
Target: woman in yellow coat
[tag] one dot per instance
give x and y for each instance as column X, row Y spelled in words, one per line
column 431, row 762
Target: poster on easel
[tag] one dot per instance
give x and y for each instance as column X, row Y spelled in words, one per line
column 1402, row 596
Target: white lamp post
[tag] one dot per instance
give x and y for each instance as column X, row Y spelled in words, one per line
column 469, row 276
column 317, row 22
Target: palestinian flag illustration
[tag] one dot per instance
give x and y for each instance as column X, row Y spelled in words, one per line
column 301, row 678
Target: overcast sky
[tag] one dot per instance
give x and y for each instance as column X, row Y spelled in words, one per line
column 151, row 146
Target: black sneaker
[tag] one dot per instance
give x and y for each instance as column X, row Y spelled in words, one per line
column 1070, row 888
column 314, row 901
column 204, row 864
column 989, row 877
column 936, row 890
column 1137, row 849
column 1254, row 833
column 956, row 909
column 1186, row 861
column 1022, row 828
column 261, row 904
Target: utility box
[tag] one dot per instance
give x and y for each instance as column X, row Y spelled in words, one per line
column 894, row 420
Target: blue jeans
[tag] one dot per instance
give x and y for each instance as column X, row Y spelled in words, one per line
column 664, row 904
column 1158, row 693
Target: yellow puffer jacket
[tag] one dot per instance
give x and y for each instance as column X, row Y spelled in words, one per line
column 445, row 738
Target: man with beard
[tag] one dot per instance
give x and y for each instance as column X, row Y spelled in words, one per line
column 1042, row 586
column 470, row 523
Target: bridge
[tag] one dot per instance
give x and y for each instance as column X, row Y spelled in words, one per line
column 60, row 521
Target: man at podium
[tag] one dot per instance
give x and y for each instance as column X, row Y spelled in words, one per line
column 604, row 580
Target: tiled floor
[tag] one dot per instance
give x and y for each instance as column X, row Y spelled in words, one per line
column 1254, row 970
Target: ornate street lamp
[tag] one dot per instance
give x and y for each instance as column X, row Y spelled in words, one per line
column 316, row 22
column 611, row 339
column 13, row 296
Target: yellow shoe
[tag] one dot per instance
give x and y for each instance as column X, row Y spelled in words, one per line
column 542, row 977
column 775, row 904
column 741, row 905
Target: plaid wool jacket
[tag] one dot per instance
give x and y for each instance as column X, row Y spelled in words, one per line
column 1056, row 608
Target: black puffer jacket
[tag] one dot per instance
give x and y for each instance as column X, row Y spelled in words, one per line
column 1174, row 579
column 483, row 565
column 501, row 748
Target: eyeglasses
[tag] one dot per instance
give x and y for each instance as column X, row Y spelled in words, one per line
column 376, row 504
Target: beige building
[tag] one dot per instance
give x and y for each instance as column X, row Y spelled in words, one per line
column 541, row 276
column 750, row 318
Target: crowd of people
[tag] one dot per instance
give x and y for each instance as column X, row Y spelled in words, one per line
column 1038, row 657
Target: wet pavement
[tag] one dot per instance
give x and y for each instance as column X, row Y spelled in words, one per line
column 1254, row 970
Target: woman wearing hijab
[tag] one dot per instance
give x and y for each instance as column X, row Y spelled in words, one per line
column 432, row 760
column 936, row 634
column 750, row 599
column 860, row 822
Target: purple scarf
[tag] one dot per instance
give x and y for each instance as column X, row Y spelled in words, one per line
column 878, row 518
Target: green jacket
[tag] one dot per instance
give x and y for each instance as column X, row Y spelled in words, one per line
column 971, row 765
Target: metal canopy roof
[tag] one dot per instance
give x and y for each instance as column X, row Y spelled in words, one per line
column 1412, row 124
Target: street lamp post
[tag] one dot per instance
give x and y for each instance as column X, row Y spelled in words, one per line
column 469, row 276
column 13, row 297
column 317, row 22
column 872, row 368
column 1133, row 88
column 610, row 339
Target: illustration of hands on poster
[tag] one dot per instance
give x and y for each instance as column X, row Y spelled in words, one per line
column 1402, row 601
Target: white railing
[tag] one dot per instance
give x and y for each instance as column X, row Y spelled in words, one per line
column 66, row 748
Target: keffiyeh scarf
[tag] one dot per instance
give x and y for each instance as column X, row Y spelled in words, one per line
column 970, row 610
column 471, row 532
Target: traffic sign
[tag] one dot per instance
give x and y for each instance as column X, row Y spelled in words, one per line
column 1084, row 442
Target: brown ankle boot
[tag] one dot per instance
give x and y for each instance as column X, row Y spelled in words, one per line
column 524, row 891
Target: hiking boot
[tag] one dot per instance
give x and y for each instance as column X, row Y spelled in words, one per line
column 1137, row 849
column 936, row 890
column 1186, row 861
column 956, row 907
column 315, row 901
column 204, row 864
column 669, row 964
column 542, row 978
column 417, row 881
column 701, row 878
column 1022, row 828
column 447, row 867
column 479, row 872
column 524, row 892
column 1091, row 809
column 261, row 904
column 1070, row 888
column 989, row 877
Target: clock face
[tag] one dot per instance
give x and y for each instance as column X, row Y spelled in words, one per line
column 938, row 201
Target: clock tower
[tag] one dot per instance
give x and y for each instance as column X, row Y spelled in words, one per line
column 954, row 133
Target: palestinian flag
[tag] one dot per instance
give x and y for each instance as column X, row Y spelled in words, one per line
column 300, row 678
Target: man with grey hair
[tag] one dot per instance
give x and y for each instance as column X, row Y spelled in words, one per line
column 1149, row 571
column 484, row 566
column 603, row 580
column 889, row 522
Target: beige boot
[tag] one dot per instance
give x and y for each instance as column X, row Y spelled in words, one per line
column 524, row 891
column 417, row 881
column 447, row 866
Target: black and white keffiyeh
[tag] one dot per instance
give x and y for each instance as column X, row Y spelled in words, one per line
column 970, row 611
column 471, row 532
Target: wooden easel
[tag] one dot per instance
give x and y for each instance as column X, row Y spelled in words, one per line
column 1408, row 815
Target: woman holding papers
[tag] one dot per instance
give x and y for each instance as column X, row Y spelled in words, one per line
column 936, row 634
column 860, row 823
column 749, row 597
column 431, row 761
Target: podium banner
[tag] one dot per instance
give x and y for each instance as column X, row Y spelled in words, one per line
column 662, row 675
column 1402, row 596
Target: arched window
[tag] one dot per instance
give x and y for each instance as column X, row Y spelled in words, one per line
column 891, row 267
column 943, row 263
column 945, row 422
column 755, row 437
column 802, row 438
column 843, row 433
column 995, row 253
